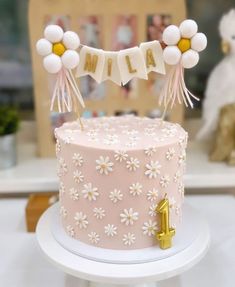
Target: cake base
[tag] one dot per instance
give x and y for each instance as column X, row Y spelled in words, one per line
column 106, row 274
column 185, row 235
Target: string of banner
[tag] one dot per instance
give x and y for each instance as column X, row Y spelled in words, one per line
column 63, row 52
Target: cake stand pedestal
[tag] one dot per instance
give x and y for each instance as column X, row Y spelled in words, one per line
column 98, row 274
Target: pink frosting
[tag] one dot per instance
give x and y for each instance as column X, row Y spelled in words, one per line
column 112, row 176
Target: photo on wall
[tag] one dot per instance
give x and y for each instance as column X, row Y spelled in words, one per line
column 89, row 29
column 155, row 25
column 124, row 36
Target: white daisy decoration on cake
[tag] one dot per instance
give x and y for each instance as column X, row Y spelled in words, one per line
column 129, row 216
column 104, row 165
column 68, row 139
column 170, row 153
column 177, row 176
column 182, row 141
column 94, row 237
column 63, row 168
column 57, row 147
column 182, row 158
column 70, row 231
column 120, row 155
column 150, row 151
column 164, row 180
column 135, row 189
column 152, row 169
column 61, row 188
column 131, row 144
column 92, row 132
column 63, row 211
column 181, row 189
column 89, row 192
column 177, row 210
column 110, row 230
column 149, row 132
column 74, row 193
column 115, row 195
column 132, row 164
column 130, row 132
column 152, row 195
column 77, row 159
column 128, row 239
column 111, row 139
column 99, row 212
column 81, row 220
column 77, row 176
column 149, row 228
column 152, row 210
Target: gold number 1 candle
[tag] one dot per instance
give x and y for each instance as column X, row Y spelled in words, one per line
column 166, row 232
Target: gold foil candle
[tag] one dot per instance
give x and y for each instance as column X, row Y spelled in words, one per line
column 166, row 232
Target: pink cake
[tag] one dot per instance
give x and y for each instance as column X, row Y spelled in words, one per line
column 112, row 176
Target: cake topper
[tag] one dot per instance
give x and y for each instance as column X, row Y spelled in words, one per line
column 60, row 56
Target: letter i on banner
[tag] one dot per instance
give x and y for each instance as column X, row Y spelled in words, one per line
column 152, row 53
column 131, row 63
column 111, row 70
column 91, row 63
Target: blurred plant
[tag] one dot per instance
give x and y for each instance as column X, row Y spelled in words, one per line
column 9, row 121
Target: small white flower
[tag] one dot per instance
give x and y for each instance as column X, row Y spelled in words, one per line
column 131, row 132
column 115, row 196
column 181, row 189
column 62, row 167
column 177, row 210
column 68, row 139
column 182, row 158
column 93, row 139
column 150, row 151
column 182, row 141
column 57, row 147
column 134, row 138
column 176, row 176
column 70, row 231
column 129, row 238
column 90, row 192
column 164, row 181
column 172, row 202
column 152, row 195
column 77, row 176
column 135, row 189
column 170, row 153
column 99, row 212
column 149, row 228
column 152, row 210
column 131, row 144
column 81, row 220
column 169, row 131
column 61, row 188
column 104, row 165
column 149, row 132
column 94, row 237
column 128, row 217
column 77, row 159
column 132, row 164
column 74, row 194
column 111, row 139
column 92, row 133
column 120, row 155
column 63, row 211
column 110, row 230
column 153, row 169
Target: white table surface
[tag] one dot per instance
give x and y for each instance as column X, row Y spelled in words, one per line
column 23, row 265
column 34, row 174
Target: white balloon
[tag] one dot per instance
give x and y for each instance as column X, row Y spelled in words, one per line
column 70, row 59
column 171, row 55
column 53, row 33
column 190, row 59
column 171, row 35
column 71, row 40
column 199, row 42
column 43, row 47
column 188, row 28
column 52, row 63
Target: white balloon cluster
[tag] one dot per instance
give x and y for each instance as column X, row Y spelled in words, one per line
column 58, row 49
column 183, row 44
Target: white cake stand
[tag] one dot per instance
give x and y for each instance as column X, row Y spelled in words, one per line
column 99, row 274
